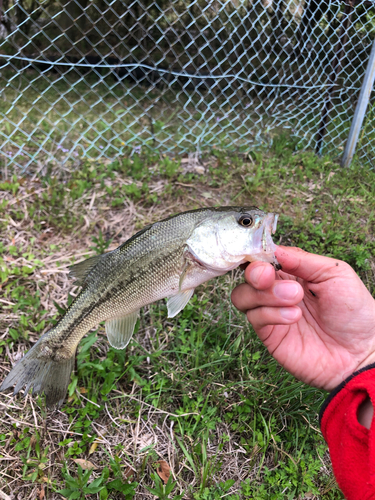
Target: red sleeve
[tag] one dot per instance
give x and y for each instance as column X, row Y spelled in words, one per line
column 351, row 445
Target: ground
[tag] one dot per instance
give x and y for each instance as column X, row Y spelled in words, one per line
column 197, row 396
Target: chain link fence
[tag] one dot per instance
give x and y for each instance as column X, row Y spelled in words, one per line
column 103, row 78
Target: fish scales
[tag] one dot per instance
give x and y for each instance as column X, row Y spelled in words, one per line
column 166, row 259
column 121, row 294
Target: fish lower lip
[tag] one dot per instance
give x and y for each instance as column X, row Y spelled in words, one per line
column 264, row 239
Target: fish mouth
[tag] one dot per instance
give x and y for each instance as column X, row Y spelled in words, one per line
column 263, row 241
column 269, row 228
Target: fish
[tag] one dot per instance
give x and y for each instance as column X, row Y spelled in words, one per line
column 167, row 259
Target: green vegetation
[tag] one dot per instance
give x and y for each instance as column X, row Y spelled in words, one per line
column 199, row 391
column 49, row 118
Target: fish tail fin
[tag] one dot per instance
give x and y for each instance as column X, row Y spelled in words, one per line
column 45, row 370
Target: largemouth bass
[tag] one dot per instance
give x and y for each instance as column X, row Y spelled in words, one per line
column 167, row 259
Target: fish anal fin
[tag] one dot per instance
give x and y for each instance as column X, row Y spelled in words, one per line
column 176, row 303
column 120, row 330
column 81, row 270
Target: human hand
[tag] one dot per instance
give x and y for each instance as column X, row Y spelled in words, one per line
column 316, row 317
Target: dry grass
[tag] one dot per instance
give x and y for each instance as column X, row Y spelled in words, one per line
column 128, row 424
column 116, row 425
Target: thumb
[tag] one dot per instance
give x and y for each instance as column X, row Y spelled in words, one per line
column 308, row 266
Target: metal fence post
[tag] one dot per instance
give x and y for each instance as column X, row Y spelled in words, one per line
column 360, row 110
column 336, row 68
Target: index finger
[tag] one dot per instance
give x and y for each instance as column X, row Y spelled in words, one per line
column 305, row 265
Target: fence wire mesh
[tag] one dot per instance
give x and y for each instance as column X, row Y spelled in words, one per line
column 101, row 78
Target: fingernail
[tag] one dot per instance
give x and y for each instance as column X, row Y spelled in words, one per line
column 286, row 291
column 288, row 312
column 256, row 274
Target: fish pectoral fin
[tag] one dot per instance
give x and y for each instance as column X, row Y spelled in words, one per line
column 176, row 303
column 81, row 270
column 120, row 330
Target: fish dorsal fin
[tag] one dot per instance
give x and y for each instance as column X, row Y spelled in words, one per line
column 81, row 270
column 176, row 303
column 120, row 330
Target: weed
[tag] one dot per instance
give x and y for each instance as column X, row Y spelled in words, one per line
column 162, row 491
column 80, row 486
column 100, row 243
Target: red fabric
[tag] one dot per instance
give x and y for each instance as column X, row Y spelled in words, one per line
column 352, row 446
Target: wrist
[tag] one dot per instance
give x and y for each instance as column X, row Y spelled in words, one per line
column 369, row 360
column 363, row 373
column 365, row 413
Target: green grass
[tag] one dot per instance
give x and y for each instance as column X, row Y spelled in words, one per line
column 199, row 391
column 85, row 115
column 55, row 116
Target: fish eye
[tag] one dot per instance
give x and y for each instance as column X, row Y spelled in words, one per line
column 246, row 220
